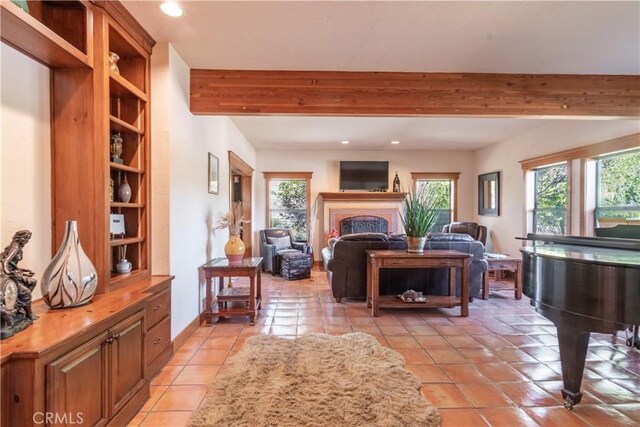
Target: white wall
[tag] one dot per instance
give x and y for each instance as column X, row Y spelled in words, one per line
column 325, row 167
column 505, row 157
column 182, row 146
column 25, row 157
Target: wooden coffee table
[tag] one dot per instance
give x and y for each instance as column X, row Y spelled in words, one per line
column 250, row 296
column 435, row 258
column 500, row 264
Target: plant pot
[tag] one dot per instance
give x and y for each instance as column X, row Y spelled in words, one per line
column 234, row 249
column 70, row 279
column 415, row 244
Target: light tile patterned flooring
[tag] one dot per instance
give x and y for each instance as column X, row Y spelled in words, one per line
column 499, row 366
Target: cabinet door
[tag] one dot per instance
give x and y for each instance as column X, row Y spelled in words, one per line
column 76, row 385
column 127, row 360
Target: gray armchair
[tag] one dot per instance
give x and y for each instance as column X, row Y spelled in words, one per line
column 275, row 241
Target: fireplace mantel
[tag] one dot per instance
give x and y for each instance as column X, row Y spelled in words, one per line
column 371, row 196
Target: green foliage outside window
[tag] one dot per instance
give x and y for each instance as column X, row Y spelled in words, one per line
column 289, row 207
column 550, row 211
column 619, row 186
column 440, row 190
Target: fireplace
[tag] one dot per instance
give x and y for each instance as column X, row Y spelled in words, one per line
column 363, row 224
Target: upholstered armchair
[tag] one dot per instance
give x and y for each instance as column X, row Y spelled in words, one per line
column 275, row 241
column 475, row 230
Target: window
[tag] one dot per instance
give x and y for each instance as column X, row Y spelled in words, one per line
column 618, row 187
column 288, row 198
column 446, row 186
column 550, row 200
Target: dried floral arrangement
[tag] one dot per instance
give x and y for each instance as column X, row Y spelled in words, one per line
column 233, row 220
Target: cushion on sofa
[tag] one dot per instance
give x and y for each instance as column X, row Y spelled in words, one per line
column 280, row 242
column 450, row 237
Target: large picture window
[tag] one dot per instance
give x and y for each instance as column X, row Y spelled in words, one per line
column 288, row 195
column 618, row 187
column 551, row 199
column 445, row 185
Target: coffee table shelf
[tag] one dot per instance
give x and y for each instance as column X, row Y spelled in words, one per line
column 393, row 301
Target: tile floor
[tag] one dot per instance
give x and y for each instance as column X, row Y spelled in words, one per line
column 499, row 366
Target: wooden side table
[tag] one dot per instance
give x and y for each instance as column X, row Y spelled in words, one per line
column 499, row 264
column 250, row 296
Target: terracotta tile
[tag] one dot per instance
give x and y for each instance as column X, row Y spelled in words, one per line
column 512, row 355
column 193, row 342
column 478, row 355
column 438, row 320
column 631, row 410
column 135, row 422
column 203, row 330
column 603, row 415
column 444, row 395
column 429, row 373
column 166, row 418
column 555, row 416
column 542, row 354
column 197, row 375
column 209, row 357
column 463, row 341
column 500, row 372
column 432, row 341
column 154, row 394
column 475, row 330
column 536, row 371
column 528, row 394
column 609, row 370
column 181, row 357
column 482, row 395
column 227, row 330
column 521, row 340
column 507, row 417
column 421, row 330
column 387, row 320
column 308, row 329
column 462, row 418
column 411, row 320
column 415, row 356
column 361, row 321
column 609, row 392
column 449, row 330
column 180, row 398
column 219, row 343
column 283, row 330
column 284, row 321
column 368, row 329
column 393, row 330
column 554, row 388
column 631, row 385
column 446, row 355
column 402, row 341
column 338, row 330
column 463, row 372
column 492, row 341
column 167, row 375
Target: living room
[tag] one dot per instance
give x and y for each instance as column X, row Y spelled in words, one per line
column 182, row 208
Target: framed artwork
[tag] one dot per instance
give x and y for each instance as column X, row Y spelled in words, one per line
column 213, row 174
column 489, row 194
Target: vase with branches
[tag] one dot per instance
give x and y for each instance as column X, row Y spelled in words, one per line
column 232, row 221
column 419, row 214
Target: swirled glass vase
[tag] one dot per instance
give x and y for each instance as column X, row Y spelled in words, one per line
column 70, row 279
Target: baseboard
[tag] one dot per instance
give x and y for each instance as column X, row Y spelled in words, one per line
column 318, row 264
column 179, row 340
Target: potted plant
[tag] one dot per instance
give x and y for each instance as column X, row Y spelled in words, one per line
column 419, row 214
column 233, row 220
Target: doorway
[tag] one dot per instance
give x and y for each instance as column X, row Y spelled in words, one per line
column 241, row 185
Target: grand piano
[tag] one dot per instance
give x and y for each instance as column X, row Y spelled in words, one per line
column 583, row 285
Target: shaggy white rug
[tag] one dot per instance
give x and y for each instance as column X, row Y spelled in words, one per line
column 315, row 380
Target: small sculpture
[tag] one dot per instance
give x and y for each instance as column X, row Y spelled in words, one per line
column 16, row 285
column 113, row 62
column 116, row 148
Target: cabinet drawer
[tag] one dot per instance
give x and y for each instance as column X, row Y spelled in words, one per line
column 504, row 265
column 158, row 339
column 158, row 308
column 418, row 263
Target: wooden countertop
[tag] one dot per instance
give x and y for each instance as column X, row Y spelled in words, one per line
column 56, row 326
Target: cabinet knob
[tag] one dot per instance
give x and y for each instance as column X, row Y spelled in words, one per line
column 109, row 340
column 116, row 336
column 157, row 341
column 157, row 307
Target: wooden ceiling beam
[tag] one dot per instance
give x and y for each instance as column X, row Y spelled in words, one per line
column 233, row 92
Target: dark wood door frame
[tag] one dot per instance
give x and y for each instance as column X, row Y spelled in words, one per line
column 240, row 168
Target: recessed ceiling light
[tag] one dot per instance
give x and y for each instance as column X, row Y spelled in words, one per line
column 344, row 142
column 395, row 142
column 171, row 8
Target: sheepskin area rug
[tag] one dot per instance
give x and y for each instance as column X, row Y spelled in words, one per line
column 315, row 380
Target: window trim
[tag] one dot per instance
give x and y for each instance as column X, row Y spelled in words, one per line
column 452, row 176
column 306, row 176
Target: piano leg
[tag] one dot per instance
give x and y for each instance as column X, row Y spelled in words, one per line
column 573, row 352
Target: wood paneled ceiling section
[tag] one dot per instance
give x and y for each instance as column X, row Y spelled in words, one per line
column 236, row 92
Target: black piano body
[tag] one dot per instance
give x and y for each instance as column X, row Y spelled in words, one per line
column 583, row 285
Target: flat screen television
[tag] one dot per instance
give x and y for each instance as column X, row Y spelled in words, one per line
column 367, row 176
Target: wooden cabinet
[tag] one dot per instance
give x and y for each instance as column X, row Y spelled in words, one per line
column 158, row 346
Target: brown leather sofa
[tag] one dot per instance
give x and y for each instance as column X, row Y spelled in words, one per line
column 346, row 266
column 473, row 229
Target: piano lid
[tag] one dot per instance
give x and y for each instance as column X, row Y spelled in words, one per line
column 599, row 242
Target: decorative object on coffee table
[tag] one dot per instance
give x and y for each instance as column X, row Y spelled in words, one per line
column 232, row 221
column 16, row 285
column 316, row 380
column 70, row 279
column 419, row 214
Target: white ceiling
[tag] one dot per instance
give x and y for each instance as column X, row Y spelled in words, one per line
column 581, row 37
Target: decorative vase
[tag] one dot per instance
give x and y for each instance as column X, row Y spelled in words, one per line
column 415, row 244
column 234, row 249
column 70, row 279
column 124, row 190
column 113, row 62
column 123, row 266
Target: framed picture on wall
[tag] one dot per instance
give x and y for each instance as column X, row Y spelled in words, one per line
column 489, row 194
column 213, row 174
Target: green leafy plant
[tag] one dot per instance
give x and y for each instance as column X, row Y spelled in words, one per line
column 420, row 212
